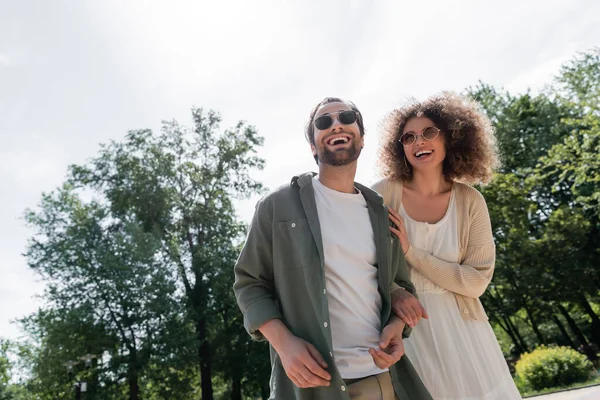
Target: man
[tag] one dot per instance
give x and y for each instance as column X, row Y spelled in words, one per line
column 315, row 274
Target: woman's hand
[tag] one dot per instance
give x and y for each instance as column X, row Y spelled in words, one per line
column 407, row 307
column 399, row 230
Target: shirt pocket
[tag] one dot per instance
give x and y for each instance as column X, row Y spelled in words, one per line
column 293, row 245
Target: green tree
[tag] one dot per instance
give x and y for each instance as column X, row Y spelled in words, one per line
column 105, row 290
column 11, row 387
column 578, row 82
column 5, row 371
column 180, row 185
column 544, row 208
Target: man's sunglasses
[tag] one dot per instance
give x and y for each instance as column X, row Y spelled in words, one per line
column 429, row 133
column 347, row 117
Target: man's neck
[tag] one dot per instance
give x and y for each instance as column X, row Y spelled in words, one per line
column 340, row 179
column 429, row 183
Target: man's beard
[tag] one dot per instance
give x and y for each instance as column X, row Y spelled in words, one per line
column 341, row 157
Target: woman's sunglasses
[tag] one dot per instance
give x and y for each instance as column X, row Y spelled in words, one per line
column 429, row 133
column 347, row 117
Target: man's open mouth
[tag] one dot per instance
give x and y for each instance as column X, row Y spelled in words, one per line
column 338, row 139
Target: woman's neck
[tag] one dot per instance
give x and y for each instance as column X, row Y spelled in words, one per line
column 429, row 183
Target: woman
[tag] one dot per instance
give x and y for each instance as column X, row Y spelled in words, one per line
column 431, row 150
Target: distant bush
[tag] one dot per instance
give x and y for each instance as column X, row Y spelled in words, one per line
column 547, row 367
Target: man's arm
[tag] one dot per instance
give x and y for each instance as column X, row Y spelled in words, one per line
column 254, row 290
column 254, row 283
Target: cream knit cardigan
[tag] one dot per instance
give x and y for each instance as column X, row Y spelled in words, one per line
column 469, row 278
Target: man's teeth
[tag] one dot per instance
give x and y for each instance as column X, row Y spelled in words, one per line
column 422, row 152
column 338, row 140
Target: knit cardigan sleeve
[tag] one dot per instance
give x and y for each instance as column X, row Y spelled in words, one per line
column 472, row 276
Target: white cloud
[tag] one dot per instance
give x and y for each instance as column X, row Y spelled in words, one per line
column 4, row 59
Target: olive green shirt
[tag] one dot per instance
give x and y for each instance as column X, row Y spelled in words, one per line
column 280, row 274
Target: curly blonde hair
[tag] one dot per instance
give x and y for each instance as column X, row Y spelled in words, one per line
column 471, row 151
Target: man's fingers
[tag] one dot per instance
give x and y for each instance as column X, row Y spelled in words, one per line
column 381, row 358
column 313, row 379
column 303, row 381
column 423, row 311
column 386, row 336
column 314, row 370
column 388, row 358
column 396, row 355
column 317, row 363
column 298, row 380
column 376, row 359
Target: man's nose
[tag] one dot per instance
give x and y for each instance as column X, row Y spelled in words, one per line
column 336, row 123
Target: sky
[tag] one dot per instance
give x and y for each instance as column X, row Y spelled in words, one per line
column 74, row 75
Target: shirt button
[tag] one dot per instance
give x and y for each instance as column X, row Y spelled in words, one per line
column 293, row 224
column 466, row 311
column 330, row 354
column 325, row 324
column 324, row 291
column 343, row 388
column 391, row 240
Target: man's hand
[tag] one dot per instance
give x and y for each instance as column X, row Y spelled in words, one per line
column 407, row 307
column 391, row 345
column 301, row 361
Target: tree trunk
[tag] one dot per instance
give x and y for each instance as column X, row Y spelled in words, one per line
column 524, row 345
column 583, row 302
column 134, row 389
column 573, row 325
column 204, row 357
column 563, row 331
column 132, row 375
column 236, row 388
column 534, row 325
column 506, row 327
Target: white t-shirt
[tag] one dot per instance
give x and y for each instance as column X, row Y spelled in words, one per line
column 351, row 280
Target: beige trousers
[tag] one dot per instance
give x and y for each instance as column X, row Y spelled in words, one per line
column 376, row 387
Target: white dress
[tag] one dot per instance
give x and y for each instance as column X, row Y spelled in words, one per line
column 456, row 359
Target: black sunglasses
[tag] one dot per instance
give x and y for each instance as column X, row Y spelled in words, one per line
column 345, row 117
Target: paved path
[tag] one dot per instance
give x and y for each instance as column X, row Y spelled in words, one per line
column 590, row 393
